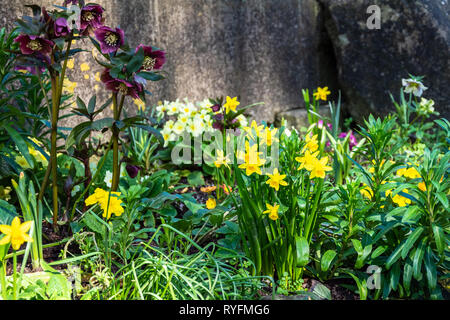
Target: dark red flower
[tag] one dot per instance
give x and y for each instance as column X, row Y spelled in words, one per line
column 216, row 108
column 132, row 170
column 154, row 60
column 61, row 27
column 91, row 17
column 32, row 44
column 110, row 40
column 121, row 86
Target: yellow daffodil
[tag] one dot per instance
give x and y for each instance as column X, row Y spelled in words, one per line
column 272, row 211
column 320, row 168
column 268, row 136
column 211, row 203
column 254, row 126
column 322, row 93
column 411, row 173
column 221, row 159
column 251, row 168
column 16, row 233
column 276, row 179
column 307, row 161
column 312, row 144
column 140, row 104
column 231, row 104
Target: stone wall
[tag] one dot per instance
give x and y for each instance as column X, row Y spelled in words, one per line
column 268, row 50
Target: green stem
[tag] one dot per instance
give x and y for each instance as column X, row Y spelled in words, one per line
column 3, row 278
column 97, row 172
column 115, row 137
column 14, row 275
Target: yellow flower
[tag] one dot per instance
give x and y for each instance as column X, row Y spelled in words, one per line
column 307, row 161
column 85, row 67
column 422, row 186
column 69, row 86
column 322, row 93
column 231, row 104
column 312, row 144
column 411, row 173
column 221, row 160
column 320, row 168
column 251, row 168
column 367, row 192
column 254, row 125
column 109, row 204
column 86, row 77
column 211, row 203
column 268, row 136
column 16, row 233
column 140, row 104
column 276, row 179
column 400, row 200
column 97, row 77
column 272, row 211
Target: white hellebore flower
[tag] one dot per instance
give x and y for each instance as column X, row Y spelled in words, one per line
column 414, row 86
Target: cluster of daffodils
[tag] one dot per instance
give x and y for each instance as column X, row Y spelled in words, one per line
column 36, row 154
column 189, row 117
column 310, row 161
column 109, row 202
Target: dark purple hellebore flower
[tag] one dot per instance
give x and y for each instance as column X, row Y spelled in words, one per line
column 30, row 65
column 110, row 40
column 216, row 108
column 132, row 170
column 91, row 18
column 61, row 27
column 154, row 60
column 219, row 117
column 32, row 44
column 218, row 125
column 121, row 86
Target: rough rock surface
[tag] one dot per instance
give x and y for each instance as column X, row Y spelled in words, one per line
column 414, row 39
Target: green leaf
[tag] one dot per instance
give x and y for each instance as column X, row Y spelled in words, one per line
column 7, row 212
column 93, row 224
column 136, row 62
column 151, row 76
column 327, row 259
column 59, row 288
column 430, row 268
column 302, row 248
column 413, row 237
column 439, row 237
column 394, row 256
column 417, row 260
column 92, row 102
column 20, row 143
column 196, row 179
column 443, row 199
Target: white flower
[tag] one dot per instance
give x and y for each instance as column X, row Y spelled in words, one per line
column 414, row 86
column 426, row 107
column 242, row 120
column 196, row 128
column 287, row 132
column 179, row 127
column 188, row 109
column 108, row 178
column 173, row 108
